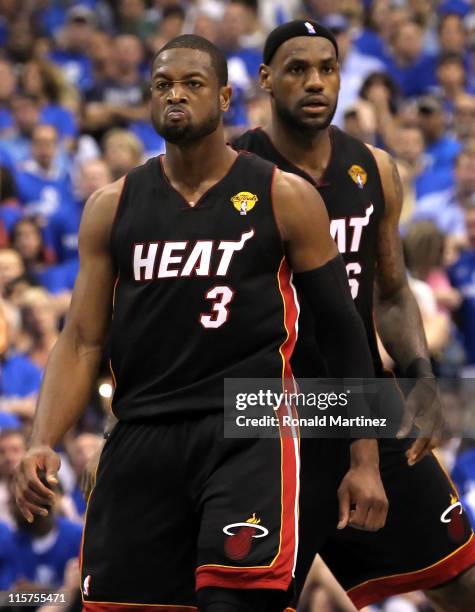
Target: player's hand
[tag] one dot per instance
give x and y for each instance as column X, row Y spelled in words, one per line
column 88, row 477
column 37, row 472
column 362, row 499
column 423, row 409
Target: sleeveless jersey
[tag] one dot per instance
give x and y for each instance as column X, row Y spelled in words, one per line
column 353, row 195
column 202, row 294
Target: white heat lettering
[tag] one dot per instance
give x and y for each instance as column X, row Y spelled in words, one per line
column 343, row 236
column 167, row 259
column 358, row 223
column 230, row 247
column 199, row 260
column 145, row 264
column 338, row 233
column 174, row 262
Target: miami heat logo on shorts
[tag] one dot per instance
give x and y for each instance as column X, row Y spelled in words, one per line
column 453, row 517
column 240, row 535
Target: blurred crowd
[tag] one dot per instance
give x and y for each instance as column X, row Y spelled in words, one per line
column 74, row 115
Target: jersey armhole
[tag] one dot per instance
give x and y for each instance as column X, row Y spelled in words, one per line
column 116, row 214
column 277, row 227
column 378, row 173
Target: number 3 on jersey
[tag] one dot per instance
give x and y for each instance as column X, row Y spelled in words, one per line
column 221, row 297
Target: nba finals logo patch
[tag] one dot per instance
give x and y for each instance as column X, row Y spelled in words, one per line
column 358, row 175
column 244, row 201
column 240, row 535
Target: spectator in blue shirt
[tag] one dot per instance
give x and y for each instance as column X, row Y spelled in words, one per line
column 47, row 83
column 355, row 67
column 102, row 57
column 36, row 257
column 19, row 376
column 8, row 570
column 440, row 150
column 462, row 277
column 15, row 146
column 52, row 16
column 10, row 211
column 446, row 208
column 42, row 181
column 72, row 56
column 408, row 64
column 371, row 38
column 453, row 37
column 12, row 450
column 8, row 83
column 451, row 80
column 44, row 547
column 120, row 99
column 62, row 230
column 28, row 240
column 232, row 30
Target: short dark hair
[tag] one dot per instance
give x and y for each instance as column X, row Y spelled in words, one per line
column 450, row 57
column 191, row 41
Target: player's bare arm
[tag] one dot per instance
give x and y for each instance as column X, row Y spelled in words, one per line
column 74, row 362
column 399, row 322
column 321, row 277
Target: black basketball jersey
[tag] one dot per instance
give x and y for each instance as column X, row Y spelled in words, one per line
column 203, row 293
column 353, row 195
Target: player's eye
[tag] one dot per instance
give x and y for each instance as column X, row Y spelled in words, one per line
column 328, row 69
column 162, row 85
column 297, row 69
column 194, row 84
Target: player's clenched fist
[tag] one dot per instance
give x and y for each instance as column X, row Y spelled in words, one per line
column 362, row 499
column 35, row 475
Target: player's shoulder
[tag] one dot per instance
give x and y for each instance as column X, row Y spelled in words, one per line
column 100, row 212
column 383, row 159
column 290, row 188
column 105, row 199
column 296, row 203
column 291, row 184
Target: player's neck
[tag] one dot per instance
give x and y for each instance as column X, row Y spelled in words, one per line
column 207, row 160
column 309, row 152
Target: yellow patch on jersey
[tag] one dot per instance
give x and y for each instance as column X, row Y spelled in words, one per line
column 359, row 175
column 244, row 201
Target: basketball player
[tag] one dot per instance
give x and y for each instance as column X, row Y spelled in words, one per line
column 181, row 254
column 419, row 548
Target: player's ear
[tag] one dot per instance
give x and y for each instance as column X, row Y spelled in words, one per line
column 225, row 94
column 265, row 78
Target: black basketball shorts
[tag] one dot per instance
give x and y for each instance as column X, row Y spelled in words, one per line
column 427, row 539
column 177, row 507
